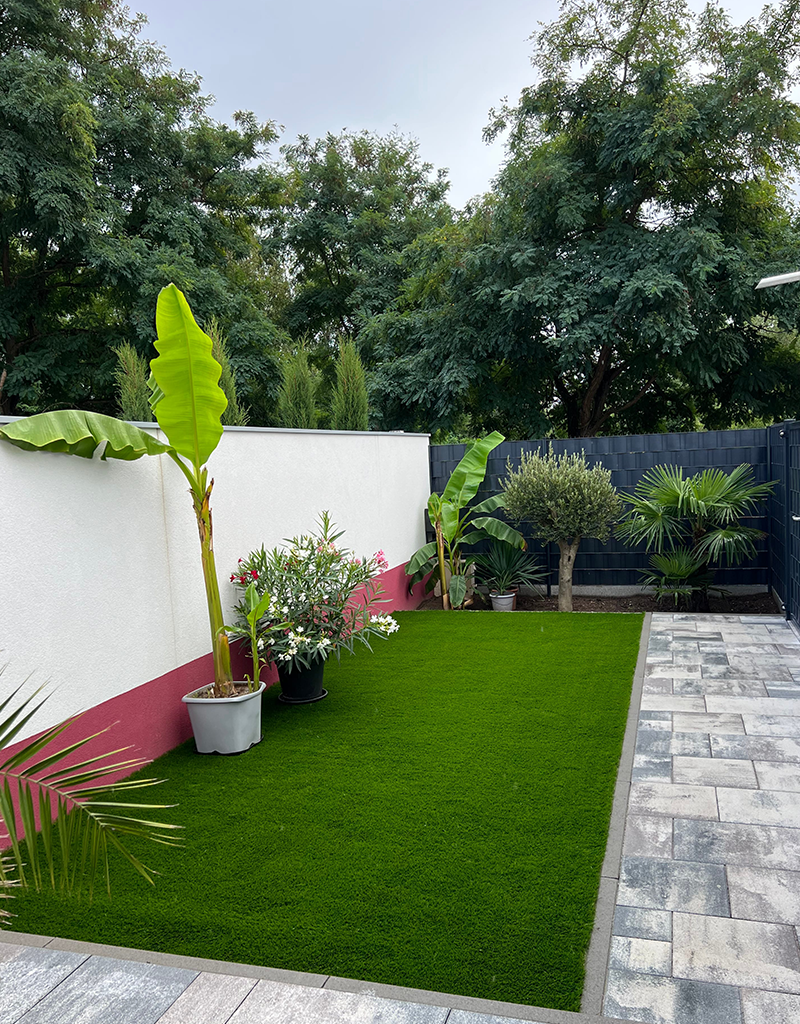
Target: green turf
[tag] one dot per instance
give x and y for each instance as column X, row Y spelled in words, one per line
column 439, row 821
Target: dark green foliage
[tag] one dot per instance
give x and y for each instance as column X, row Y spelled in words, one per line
column 350, row 403
column 113, row 182
column 698, row 520
column 352, row 203
column 677, row 576
column 297, row 395
column 445, row 834
column 607, row 284
column 131, row 375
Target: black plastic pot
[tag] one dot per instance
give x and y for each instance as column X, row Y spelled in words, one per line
column 302, row 685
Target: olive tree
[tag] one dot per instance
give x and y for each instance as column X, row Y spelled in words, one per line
column 563, row 500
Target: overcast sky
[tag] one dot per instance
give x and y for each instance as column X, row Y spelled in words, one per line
column 431, row 68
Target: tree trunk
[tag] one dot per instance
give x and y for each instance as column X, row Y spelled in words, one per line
column 569, row 550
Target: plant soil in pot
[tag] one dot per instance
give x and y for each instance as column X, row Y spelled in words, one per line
column 225, row 725
column 302, row 685
column 503, row 602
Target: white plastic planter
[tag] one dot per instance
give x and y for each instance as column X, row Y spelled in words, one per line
column 225, row 725
column 503, row 602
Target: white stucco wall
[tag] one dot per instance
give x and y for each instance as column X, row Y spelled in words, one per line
column 101, row 587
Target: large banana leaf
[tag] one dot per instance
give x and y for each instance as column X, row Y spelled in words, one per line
column 421, row 558
column 468, row 475
column 500, row 531
column 188, row 375
column 81, row 433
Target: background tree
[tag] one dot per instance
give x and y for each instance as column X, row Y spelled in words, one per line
column 352, row 202
column 562, row 500
column 350, row 402
column 297, row 407
column 113, row 181
column 644, row 194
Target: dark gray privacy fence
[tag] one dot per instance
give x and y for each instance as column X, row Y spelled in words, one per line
column 615, row 564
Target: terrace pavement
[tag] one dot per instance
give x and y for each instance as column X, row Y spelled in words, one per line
column 708, row 902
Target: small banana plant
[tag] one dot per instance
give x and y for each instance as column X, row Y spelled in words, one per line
column 80, row 817
column 456, row 523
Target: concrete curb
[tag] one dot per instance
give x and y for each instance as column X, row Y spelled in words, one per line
column 490, row 1008
column 600, row 943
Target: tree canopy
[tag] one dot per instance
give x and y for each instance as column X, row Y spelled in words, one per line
column 113, row 182
column 607, row 283
column 604, row 284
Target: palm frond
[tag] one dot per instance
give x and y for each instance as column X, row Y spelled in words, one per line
column 730, row 544
column 78, row 816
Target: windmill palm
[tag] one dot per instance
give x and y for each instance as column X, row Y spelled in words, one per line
column 700, row 516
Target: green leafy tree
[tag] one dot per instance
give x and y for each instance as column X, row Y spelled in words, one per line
column 352, row 202
column 693, row 523
column 563, row 501
column 607, row 284
column 297, row 408
column 350, row 402
column 114, row 181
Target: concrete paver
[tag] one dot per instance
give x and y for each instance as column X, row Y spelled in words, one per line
column 708, row 901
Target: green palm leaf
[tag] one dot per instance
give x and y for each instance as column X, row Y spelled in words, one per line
column 79, row 816
column 81, row 433
column 191, row 402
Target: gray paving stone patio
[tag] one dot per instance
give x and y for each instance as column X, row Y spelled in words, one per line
column 708, row 902
column 58, row 981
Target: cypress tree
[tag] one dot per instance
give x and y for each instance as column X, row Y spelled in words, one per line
column 130, row 377
column 350, row 404
column 236, row 414
column 297, row 395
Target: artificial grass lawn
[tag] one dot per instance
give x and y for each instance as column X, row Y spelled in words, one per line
column 439, row 821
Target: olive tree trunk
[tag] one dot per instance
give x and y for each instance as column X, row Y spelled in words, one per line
column 566, row 562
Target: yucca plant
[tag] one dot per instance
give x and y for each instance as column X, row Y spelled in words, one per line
column 503, row 567
column 80, row 817
column 702, row 514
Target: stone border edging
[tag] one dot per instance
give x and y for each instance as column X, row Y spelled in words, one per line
column 492, row 1008
column 600, row 943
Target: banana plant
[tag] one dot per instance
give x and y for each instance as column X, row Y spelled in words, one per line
column 188, row 404
column 80, row 816
column 456, row 524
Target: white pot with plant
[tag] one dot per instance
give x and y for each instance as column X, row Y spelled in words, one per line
column 323, row 600
column 231, row 725
column 188, row 404
column 504, row 569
